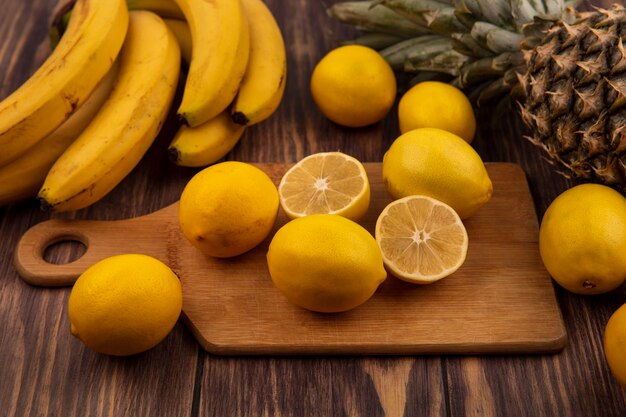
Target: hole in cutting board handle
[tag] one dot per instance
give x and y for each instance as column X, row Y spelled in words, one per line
column 64, row 250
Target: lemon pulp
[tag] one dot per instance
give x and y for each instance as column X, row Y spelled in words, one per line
column 422, row 240
column 325, row 183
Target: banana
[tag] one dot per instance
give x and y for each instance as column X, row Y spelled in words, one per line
column 263, row 84
column 221, row 45
column 205, row 144
column 164, row 8
column 23, row 177
column 180, row 29
column 167, row 9
column 64, row 81
column 126, row 125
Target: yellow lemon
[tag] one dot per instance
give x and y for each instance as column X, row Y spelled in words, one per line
column 325, row 183
column 325, row 263
column 615, row 344
column 125, row 304
column 439, row 105
column 422, row 240
column 582, row 239
column 437, row 164
column 353, row 86
column 228, row 208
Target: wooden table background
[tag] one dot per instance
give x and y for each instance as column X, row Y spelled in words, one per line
column 44, row 371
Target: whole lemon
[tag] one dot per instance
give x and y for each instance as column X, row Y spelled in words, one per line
column 228, row 208
column 437, row 164
column 325, row 263
column 353, row 86
column 439, row 105
column 125, row 304
column 615, row 344
column 582, row 239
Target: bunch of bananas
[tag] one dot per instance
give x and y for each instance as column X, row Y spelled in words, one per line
column 86, row 117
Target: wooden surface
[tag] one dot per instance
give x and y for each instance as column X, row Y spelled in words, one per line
column 44, row 371
column 500, row 301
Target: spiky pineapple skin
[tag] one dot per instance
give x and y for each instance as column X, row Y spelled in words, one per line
column 575, row 96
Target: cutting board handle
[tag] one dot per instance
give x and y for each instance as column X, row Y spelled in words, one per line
column 147, row 234
column 29, row 253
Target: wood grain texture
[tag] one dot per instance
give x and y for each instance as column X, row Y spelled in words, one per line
column 500, row 301
column 45, row 372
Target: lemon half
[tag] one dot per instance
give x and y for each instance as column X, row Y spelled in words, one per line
column 325, row 183
column 422, row 240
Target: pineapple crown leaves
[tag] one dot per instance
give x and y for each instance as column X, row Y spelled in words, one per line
column 471, row 43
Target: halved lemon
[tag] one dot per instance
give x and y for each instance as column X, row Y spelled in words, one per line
column 325, row 183
column 422, row 239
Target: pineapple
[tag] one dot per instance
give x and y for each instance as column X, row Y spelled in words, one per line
column 566, row 69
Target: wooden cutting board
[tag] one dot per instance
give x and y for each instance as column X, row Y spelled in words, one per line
column 500, row 301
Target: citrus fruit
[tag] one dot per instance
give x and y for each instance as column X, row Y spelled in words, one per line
column 325, row 263
column 228, row 209
column 440, row 165
column 582, row 239
column 439, row 105
column 353, row 86
column 615, row 344
column 325, row 183
column 125, row 304
column 422, row 240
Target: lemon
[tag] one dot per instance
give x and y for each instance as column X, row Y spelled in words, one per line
column 582, row 239
column 325, row 263
column 228, row 208
column 422, row 240
column 615, row 344
column 353, row 86
column 437, row 164
column 325, row 183
column 439, row 105
column 125, row 304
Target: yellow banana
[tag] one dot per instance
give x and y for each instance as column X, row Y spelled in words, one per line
column 167, row 9
column 164, row 8
column 21, row 178
column 127, row 124
column 180, row 29
column 205, row 144
column 65, row 80
column 263, row 84
column 221, row 44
